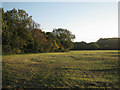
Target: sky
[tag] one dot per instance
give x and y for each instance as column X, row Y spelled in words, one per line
column 89, row 21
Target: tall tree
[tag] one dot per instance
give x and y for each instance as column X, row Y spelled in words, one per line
column 40, row 40
column 53, row 43
column 65, row 37
column 16, row 35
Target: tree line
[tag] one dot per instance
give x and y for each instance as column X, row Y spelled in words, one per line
column 101, row 44
column 21, row 34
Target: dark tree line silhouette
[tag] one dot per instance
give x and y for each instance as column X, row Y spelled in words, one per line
column 101, row 44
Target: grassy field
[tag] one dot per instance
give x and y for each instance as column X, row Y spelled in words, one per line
column 74, row 69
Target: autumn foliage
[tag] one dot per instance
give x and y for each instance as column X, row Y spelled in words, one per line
column 21, row 34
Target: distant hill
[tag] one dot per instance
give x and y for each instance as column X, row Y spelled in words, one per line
column 101, row 44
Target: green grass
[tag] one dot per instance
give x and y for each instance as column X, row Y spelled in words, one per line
column 74, row 69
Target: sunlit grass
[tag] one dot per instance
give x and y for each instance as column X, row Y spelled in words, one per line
column 83, row 69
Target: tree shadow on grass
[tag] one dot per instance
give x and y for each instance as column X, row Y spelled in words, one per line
column 104, row 70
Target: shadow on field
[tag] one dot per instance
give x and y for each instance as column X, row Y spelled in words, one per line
column 112, row 69
column 68, row 69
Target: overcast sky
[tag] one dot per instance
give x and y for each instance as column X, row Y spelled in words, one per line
column 89, row 21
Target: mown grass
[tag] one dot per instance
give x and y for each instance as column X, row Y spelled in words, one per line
column 74, row 69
